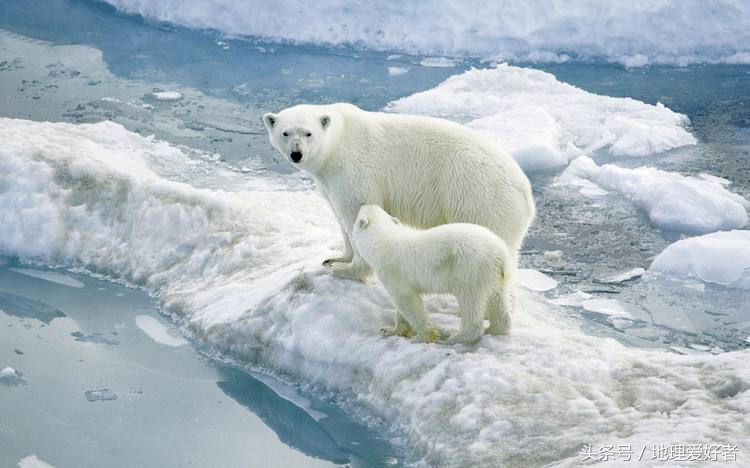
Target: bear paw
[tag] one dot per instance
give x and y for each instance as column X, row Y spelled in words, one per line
column 464, row 337
column 406, row 332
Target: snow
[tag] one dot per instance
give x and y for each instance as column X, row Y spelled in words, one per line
column 721, row 258
column 632, row 33
column 51, row 276
column 241, row 272
column 534, row 280
column 687, row 204
column 545, row 123
column 158, row 332
column 32, row 461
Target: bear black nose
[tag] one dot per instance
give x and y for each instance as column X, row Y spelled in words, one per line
column 296, row 156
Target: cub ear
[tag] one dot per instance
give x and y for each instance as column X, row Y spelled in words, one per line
column 270, row 120
column 325, row 121
column 395, row 220
column 363, row 222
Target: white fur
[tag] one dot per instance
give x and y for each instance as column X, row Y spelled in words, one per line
column 423, row 170
column 465, row 260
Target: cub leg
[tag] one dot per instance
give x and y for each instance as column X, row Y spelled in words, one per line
column 411, row 308
column 472, row 305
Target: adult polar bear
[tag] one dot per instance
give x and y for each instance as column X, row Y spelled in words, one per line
column 422, row 170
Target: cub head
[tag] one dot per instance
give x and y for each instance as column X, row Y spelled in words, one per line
column 303, row 134
column 373, row 215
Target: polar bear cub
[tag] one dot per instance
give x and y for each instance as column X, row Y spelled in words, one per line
column 466, row 260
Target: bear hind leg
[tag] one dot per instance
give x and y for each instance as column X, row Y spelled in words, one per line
column 472, row 306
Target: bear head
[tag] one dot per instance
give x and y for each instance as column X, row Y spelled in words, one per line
column 303, row 134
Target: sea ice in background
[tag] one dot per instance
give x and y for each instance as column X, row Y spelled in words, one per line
column 545, row 123
column 721, row 258
column 607, row 307
column 157, row 331
column 396, row 71
column 535, row 280
column 51, row 276
column 438, row 62
column 695, row 205
column 32, row 461
column 633, row 33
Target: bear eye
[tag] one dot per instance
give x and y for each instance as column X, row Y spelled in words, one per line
column 308, row 134
column 285, row 133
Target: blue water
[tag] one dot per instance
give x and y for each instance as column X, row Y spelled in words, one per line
column 229, row 83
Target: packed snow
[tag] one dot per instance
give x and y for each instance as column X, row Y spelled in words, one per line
column 694, row 205
column 241, row 271
column 158, row 332
column 545, row 123
column 51, row 276
column 632, row 33
column 721, row 258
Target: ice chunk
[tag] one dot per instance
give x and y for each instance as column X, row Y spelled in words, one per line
column 572, row 299
column 545, row 123
column 674, row 202
column 721, row 258
column 11, row 377
column 51, row 276
column 535, row 280
column 607, row 307
column 32, row 461
column 167, row 95
column 438, row 62
column 634, row 33
column 24, row 307
column 622, row 277
column 103, row 394
column 156, row 330
column 94, row 338
column 396, row 71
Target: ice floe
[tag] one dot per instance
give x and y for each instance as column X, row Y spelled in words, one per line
column 721, row 258
column 158, row 332
column 32, row 461
column 545, row 123
column 674, row 202
column 535, row 280
column 51, row 276
column 242, row 271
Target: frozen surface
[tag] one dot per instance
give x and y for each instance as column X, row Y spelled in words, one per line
column 158, row 332
column 674, row 202
column 216, row 260
column 11, row 377
column 52, row 276
column 534, row 280
column 632, row 33
column 543, row 122
column 721, row 257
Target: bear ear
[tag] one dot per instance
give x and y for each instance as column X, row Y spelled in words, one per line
column 325, row 121
column 363, row 222
column 270, row 120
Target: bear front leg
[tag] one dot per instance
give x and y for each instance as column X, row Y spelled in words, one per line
column 356, row 270
column 402, row 328
column 411, row 308
column 348, row 254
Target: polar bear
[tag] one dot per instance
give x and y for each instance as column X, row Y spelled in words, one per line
column 466, row 260
column 423, row 170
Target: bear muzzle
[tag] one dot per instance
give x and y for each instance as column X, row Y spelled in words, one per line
column 296, row 156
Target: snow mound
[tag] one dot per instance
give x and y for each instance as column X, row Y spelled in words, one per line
column 632, row 33
column 721, row 258
column 242, row 271
column 545, row 123
column 695, row 205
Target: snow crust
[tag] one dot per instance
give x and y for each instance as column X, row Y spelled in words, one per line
column 633, row 33
column 544, row 122
column 721, row 258
column 241, row 271
column 694, row 205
